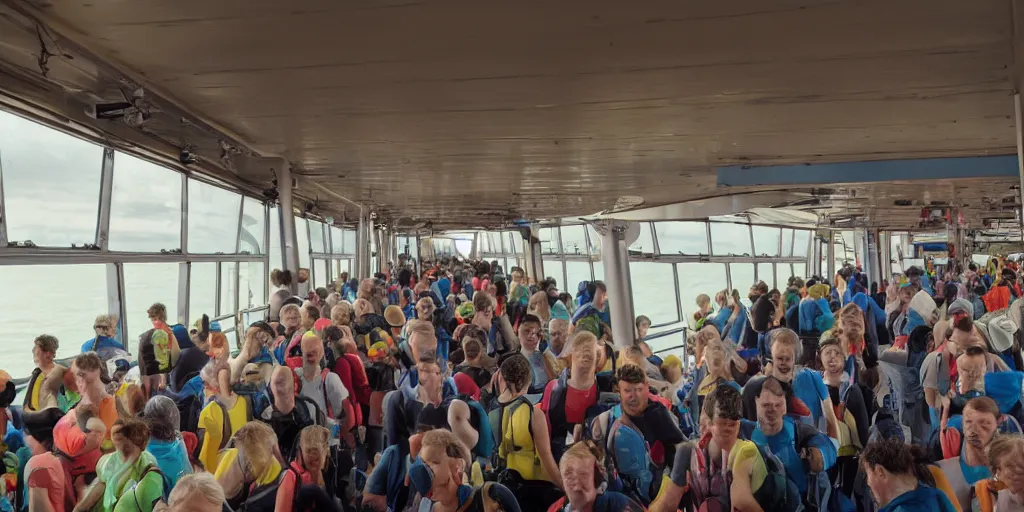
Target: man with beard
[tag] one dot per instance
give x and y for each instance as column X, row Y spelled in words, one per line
column 807, row 397
column 980, row 422
column 800, row 447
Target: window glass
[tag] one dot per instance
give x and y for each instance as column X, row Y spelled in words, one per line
column 342, row 266
column 302, row 239
column 598, row 273
column 496, row 242
column 144, row 285
column 51, row 184
column 227, row 288
column 202, row 291
column 253, row 224
column 682, row 237
column 783, row 271
column 350, row 240
column 728, row 238
column 252, row 285
column 232, row 335
column 275, row 239
column 320, row 277
column 574, row 240
column 575, row 273
column 553, row 268
column 32, row 292
column 654, row 292
column 316, row 236
column 645, row 242
column 548, row 240
column 766, row 241
column 595, row 240
column 765, row 273
column 800, row 270
column 517, row 241
column 742, row 279
column 787, row 242
column 698, row 278
column 145, row 206
column 801, row 243
column 845, row 252
column 212, row 219
column 337, row 240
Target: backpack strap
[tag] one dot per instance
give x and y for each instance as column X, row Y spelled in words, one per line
column 323, row 388
column 225, row 436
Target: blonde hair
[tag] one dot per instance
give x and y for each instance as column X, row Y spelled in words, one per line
column 289, row 307
column 703, row 300
column 1005, row 447
column 196, row 485
column 109, row 322
column 257, row 440
column 584, row 451
column 581, row 339
column 341, row 314
column 447, row 441
column 539, row 306
column 362, row 307
column 421, row 327
column 315, row 436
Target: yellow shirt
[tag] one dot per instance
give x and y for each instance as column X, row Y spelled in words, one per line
column 515, row 432
column 212, row 421
column 742, row 451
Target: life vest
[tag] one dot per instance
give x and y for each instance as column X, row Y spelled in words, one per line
column 997, row 298
column 479, row 420
column 381, row 377
column 849, row 437
column 630, row 456
column 263, row 498
column 503, row 428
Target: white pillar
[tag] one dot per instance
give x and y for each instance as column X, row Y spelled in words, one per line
column 615, row 257
column 289, row 242
column 534, row 261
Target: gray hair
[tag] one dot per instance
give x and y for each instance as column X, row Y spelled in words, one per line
column 163, row 418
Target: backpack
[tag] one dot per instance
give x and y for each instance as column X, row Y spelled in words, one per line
column 263, row 498
column 189, row 409
column 155, row 352
column 500, row 426
column 480, row 421
column 225, row 438
column 381, row 377
column 629, row 458
column 776, row 493
column 167, row 486
column 375, row 334
column 849, row 438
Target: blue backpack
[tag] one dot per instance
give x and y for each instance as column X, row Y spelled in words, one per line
column 629, row 457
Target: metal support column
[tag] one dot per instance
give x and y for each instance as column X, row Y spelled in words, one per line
column 115, row 301
column 615, row 257
column 533, row 255
column 830, row 258
column 289, row 242
column 364, row 233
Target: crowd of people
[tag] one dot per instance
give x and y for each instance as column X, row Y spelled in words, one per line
column 453, row 386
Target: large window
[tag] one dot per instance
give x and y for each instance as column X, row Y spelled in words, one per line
column 302, row 239
column 801, row 243
column 51, row 184
column 227, row 288
column 800, row 270
column 682, row 237
column 698, row 278
column 574, row 240
column 766, row 273
column 548, row 240
column 275, row 238
column 337, row 240
column 144, row 285
column 742, row 275
column 783, row 271
column 71, row 305
column 202, row 291
column 316, row 237
column 575, row 273
column 657, row 297
column 320, row 277
column 145, row 206
column 553, row 268
column 252, row 285
column 787, row 243
column 729, row 238
column 212, row 219
column 517, row 241
column 766, row 240
column 253, row 224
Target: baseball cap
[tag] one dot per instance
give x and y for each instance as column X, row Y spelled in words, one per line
column 961, row 306
column 394, row 316
column 671, row 360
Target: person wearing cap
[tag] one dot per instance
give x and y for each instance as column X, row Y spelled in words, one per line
column 672, row 371
column 47, row 487
column 395, row 319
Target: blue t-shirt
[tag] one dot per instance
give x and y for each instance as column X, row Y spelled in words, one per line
column 101, row 342
column 783, row 445
column 171, row 457
column 921, row 499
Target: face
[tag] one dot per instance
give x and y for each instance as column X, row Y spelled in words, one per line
column 633, row 397
column 529, row 336
column 832, row 359
column 85, row 379
column 584, row 361
column 783, row 361
column 291, row 318
column 853, row 327
column 725, row 432
column 122, row 444
column 429, row 377
column 314, row 458
column 279, row 385
column 971, row 370
column 303, row 275
column 599, row 295
column 312, row 351
column 905, row 295
column 441, row 465
column 979, row 427
column 485, row 314
column 420, row 344
column 41, row 357
column 878, row 481
column 642, row 328
column 714, row 354
column 578, row 477
column 770, row 410
column 1011, row 472
column 425, row 310
column 557, row 333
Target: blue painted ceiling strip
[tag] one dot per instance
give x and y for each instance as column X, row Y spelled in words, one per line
column 867, row 172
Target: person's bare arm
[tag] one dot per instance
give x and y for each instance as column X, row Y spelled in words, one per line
column 930, row 396
column 668, row 499
column 458, row 418
column 93, row 495
column 542, row 442
column 741, row 491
